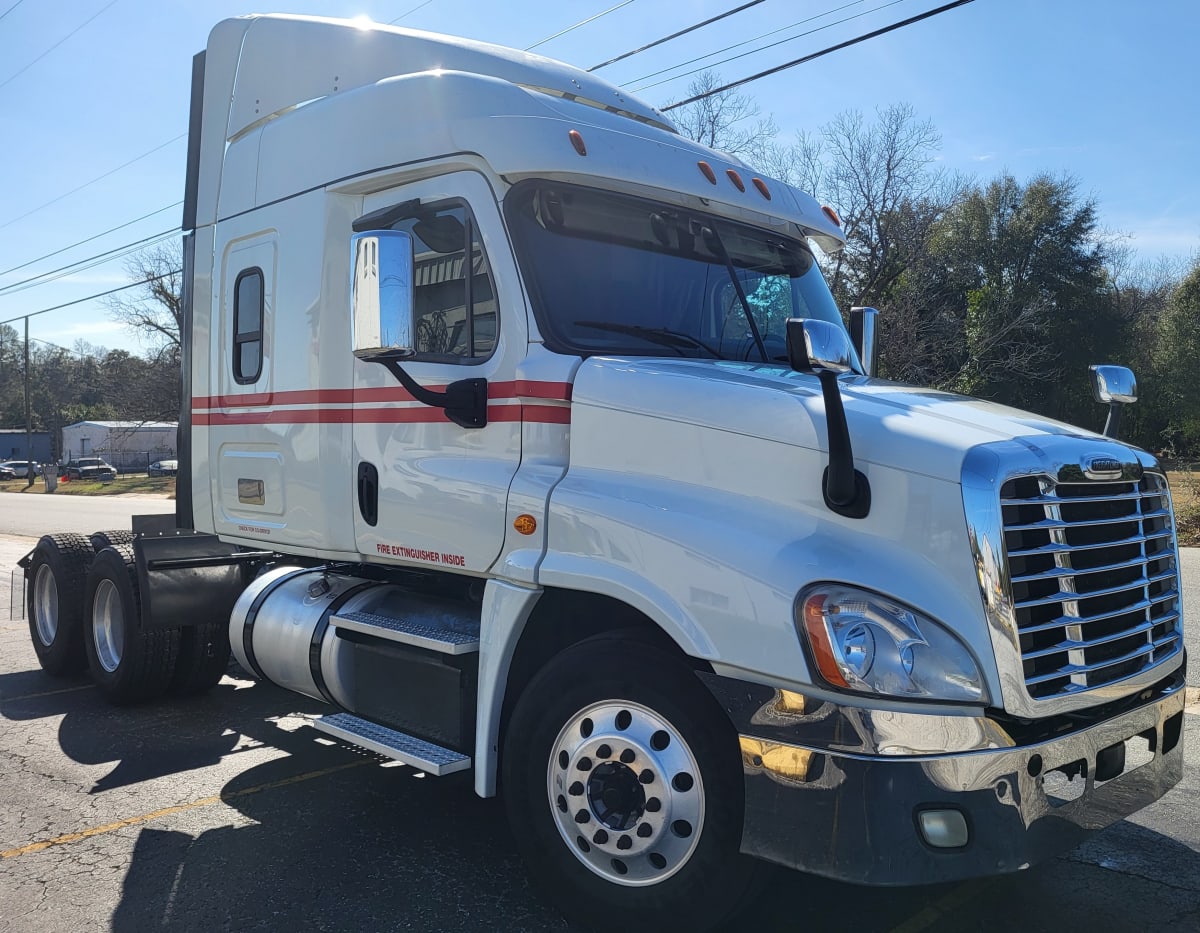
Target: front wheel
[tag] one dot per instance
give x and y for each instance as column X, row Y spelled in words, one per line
column 624, row 790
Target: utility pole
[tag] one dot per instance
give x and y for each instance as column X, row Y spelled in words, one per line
column 28, row 419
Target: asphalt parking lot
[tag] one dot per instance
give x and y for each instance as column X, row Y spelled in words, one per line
column 227, row 812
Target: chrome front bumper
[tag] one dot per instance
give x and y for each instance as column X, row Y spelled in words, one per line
column 836, row 791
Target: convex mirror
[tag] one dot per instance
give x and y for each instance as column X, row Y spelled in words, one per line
column 1113, row 384
column 381, row 294
column 815, row 346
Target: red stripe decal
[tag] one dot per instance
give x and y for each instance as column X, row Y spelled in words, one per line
column 530, row 414
column 558, row 391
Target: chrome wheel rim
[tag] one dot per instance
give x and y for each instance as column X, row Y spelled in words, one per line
column 108, row 625
column 626, row 793
column 45, row 605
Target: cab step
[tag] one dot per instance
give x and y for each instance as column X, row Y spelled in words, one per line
column 417, row 753
column 436, row 631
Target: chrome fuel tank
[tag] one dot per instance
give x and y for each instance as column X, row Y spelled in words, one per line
column 280, row 628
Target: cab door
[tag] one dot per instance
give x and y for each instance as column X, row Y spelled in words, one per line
column 428, row 491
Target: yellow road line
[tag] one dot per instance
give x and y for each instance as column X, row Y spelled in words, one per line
column 944, row 906
column 46, row 693
column 171, row 811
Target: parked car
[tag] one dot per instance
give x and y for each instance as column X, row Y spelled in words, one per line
column 163, row 468
column 90, row 468
column 18, row 469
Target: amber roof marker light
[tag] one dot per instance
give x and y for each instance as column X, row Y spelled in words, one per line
column 736, row 179
column 707, row 171
column 831, row 214
column 577, row 141
column 762, row 188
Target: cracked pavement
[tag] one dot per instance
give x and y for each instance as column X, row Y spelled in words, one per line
column 226, row 812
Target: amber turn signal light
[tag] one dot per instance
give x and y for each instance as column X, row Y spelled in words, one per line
column 818, row 638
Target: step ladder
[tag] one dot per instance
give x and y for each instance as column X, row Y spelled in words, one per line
column 443, row 631
column 417, row 753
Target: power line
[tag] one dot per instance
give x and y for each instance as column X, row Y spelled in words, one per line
column 21, row 71
column 582, row 22
column 833, row 48
column 128, row 223
column 87, row 184
column 49, row 343
column 90, row 262
column 763, row 48
column 676, row 35
column 419, row 6
column 737, row 45
column 79, row 301
column 11, row 8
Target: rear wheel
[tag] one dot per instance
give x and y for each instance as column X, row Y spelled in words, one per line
column 102, row 539
column 128, row 664
column 58, row 576
column 624, row 790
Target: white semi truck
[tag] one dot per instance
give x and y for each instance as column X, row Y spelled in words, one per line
column 525, row 433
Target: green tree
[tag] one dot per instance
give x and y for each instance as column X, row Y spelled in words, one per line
column 1023, row 270
column 1176, row 370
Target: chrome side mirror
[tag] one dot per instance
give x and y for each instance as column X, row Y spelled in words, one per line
column 381, row 294
column 862, row 334
column 1113, row 386
column 815, row 346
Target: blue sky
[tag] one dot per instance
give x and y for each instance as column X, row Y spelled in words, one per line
column 1100, row 89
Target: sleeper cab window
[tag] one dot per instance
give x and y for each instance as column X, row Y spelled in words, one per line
column 454, row 313
column 248, row 326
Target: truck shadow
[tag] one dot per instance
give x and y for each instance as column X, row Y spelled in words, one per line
column 144, row 742
column 325, row 837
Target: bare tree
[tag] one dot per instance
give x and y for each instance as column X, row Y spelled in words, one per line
column 881, row 179
column 155, row 313
column 727, row 121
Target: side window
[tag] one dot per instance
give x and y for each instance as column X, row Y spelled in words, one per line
column 454, row 303
column 248, row 326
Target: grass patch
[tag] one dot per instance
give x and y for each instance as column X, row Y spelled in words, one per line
column 1185, row 493
column 122, row 485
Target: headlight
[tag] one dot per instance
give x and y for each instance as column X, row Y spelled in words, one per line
column 864, row 642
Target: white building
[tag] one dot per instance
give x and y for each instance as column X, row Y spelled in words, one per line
column 124, row 444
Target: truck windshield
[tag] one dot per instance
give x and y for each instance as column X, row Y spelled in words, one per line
column 615, row 274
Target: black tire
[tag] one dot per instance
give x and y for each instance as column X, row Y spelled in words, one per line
column 128, row 664
column 685, row 827
column 203, row 658
column 55, row 602
column 102, row 539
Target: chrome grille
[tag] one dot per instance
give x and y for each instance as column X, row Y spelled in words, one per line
column 1094, row 576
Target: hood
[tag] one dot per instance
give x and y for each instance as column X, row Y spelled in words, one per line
column 917, row 430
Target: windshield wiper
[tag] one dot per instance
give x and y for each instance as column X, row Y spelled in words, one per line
column 663, row 336
column 714, row 240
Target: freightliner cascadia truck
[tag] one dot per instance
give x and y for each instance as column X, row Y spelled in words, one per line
column 525, row 433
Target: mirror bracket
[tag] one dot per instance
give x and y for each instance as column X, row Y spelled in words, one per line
column 464, row 401
column 824, row 349
column 845, row 489
column 1113, row 386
